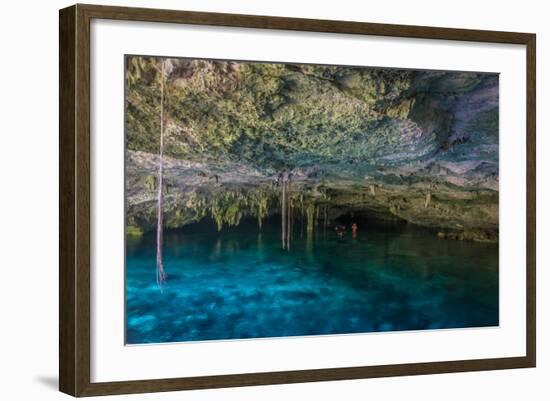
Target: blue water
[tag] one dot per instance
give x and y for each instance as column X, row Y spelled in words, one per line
column 240, row 283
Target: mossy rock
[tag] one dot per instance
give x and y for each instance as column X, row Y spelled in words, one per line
column 149, row 182
column 133, row 231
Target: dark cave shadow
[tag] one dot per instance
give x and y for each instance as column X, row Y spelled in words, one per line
column 52, row 382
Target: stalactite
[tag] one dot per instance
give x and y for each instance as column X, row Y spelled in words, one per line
column 316, row 221
column 316, row 214
column 292, row 220
column 217, row 216
column 291, row 225
column 283, row 214
column 394, row 208
column 262, row 211
column 310, row 214
column 290, row 214
column 301, row 209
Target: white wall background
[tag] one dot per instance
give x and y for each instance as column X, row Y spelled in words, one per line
column 29, row 185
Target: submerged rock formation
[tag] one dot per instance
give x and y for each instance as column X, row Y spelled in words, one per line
column 417, row 146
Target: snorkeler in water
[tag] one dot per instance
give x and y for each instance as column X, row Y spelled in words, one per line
column 340, row 230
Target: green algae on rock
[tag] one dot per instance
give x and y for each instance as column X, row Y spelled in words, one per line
column 408, row 145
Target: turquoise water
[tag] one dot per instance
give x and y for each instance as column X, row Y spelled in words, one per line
column 240, row 283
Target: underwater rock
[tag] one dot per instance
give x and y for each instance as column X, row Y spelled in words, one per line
column 470, row 235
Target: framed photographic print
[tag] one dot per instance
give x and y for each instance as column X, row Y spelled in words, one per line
column 250, row 200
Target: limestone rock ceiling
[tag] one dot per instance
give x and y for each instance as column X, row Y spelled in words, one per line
column 234, row 126
column 274, row 116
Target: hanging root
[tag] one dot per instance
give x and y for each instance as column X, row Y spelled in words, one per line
column 161, row 276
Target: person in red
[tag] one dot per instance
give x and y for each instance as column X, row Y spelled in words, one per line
column 354, row 230
column 340, row 229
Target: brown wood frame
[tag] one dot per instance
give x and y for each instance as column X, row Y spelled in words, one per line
column 74, row 199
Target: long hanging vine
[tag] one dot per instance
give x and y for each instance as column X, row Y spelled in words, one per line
column 161, row 274
column 289, row 215
column 283, row 213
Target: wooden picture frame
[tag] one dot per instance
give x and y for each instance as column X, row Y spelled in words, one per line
column 74, row 200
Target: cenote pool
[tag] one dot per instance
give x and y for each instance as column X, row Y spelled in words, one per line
column 240, row 283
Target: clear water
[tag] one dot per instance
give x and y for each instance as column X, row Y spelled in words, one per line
column 240, row 283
